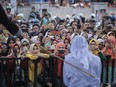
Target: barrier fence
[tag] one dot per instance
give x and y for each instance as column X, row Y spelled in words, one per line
column 14, row 72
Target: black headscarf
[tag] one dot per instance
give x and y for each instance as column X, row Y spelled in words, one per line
column 11, row 38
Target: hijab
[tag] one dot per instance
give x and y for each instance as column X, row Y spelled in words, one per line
column 31, row 48
column 25, row 40
column 109, row 51
column 80, row 51
column 11, row 38
column 94, row 51
column 57, row 47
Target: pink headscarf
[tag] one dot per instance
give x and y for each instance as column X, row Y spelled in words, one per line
column 109, row 51
column 112, row 39
column 58, row 45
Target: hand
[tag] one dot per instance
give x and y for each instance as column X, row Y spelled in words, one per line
column 112, row 46
column 106, row 45
column 49, row 84
column 51, row 55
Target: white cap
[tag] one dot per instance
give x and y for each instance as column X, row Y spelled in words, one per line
column 81, row 14
column 93, row 14
column 21, row 15
column 68, row 16
column 71, row 20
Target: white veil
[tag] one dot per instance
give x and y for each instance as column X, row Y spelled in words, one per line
column 80, row 51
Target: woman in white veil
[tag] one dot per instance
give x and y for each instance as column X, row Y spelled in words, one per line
column 81, row 57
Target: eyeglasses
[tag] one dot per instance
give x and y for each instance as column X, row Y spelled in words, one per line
column 61, row 47
column 35, row 28
column 11, row 42
column 35, row 48
column 101, row 44
column 24, row 45
column 74, row 24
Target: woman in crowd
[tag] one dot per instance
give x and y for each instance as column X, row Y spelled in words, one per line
column 110, row 47
column 110, row 52
column 100, row 43
column 25, row 44
column 93, row 45
column 33, row 54
column 10, row 42
column 61, row 52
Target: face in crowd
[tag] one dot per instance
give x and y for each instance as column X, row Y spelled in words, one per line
column 35, row 28
column 25, row 46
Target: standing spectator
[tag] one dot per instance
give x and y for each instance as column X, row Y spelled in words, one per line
column 10, row 42
column 77, row 31
column 33, row 54
column 8, row 12
column 32, row 13
column 25, row 44
column 61, row 52
column 4, row 49
column 93, row 46
column 35, row 30
column 110, row 47
column 45, row 19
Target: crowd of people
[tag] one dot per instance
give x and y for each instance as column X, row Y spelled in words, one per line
column 56, row 3
column 56, row 35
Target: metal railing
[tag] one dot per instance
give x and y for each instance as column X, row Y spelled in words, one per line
column 15, row 72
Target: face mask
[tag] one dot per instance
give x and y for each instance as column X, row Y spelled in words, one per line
column 25, row 49
column 92, row 47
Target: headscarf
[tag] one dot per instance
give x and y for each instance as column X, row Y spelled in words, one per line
column 31, row 48
column 11, row 38
column 80, row 51
column 112, row 40
column 16, row 45
column 60, row 44
column 16, row 54
column 111, row 33
column 100, row 40
column 94, row 51
column 24, row 40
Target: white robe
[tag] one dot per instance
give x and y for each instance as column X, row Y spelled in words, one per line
column 80, row 56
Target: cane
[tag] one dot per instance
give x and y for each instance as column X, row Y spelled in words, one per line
column 84, row 71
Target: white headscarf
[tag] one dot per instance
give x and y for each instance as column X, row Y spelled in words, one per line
column 80, row 51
